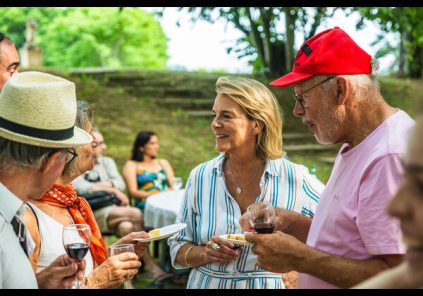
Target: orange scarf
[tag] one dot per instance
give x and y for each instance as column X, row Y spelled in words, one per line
column 80, row 210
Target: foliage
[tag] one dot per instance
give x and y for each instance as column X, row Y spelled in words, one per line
column 270, row 49
column 406, row 22
column 13, row 21
column 91, row 37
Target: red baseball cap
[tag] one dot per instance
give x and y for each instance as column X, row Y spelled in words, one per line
column 331, row 52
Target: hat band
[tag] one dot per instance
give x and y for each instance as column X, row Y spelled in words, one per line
column 55, row 135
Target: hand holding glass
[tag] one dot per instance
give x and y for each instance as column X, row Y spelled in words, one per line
column 76, row 240
column 119, row 249
column 262, row 217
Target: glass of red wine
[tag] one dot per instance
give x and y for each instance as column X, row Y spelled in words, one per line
column 76, row 240
column 262, row 217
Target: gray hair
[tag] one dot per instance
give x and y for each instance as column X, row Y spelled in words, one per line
column 365, row 86
column 84, row 117
column 14, row 155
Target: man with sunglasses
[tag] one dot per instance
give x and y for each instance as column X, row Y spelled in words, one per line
column 9, row 59
column 351, row 236
column 37, row 140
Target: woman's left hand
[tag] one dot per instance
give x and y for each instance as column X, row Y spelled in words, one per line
column 114, row 271
column 139, row 247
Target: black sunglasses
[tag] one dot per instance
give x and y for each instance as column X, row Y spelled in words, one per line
column 2, row 36
column 299, row 98
column 73, row 154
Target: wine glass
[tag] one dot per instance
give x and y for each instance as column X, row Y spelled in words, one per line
column 119, row 249
column 235, row 271
column 262, row 217
column 177, row 183
column 76, row 240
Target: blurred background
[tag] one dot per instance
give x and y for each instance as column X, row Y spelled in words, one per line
column 154, row 68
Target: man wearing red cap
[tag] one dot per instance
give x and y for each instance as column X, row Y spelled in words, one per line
column 351, row 236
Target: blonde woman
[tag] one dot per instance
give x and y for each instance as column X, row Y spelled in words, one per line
column 250, row 169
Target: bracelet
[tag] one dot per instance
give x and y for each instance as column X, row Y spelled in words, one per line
column 186, row 255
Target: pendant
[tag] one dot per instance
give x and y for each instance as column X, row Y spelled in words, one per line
column 238, row 190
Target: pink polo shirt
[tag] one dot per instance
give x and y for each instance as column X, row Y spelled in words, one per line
column 351, row 220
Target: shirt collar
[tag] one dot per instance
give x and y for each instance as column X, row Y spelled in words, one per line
column 10, row 204
column 271, row 167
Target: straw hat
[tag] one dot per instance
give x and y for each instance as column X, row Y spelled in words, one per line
column 40, row 109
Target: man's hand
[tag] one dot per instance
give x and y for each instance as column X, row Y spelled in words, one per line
column 60, row 273
column 139, row 247
column 277, row 252
column 283, row 219
column 287, row 221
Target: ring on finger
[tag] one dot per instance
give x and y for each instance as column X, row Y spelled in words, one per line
column 215, row 246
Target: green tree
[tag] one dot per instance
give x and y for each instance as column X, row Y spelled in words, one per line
column 106, row 37
column 13, row 21
column 268, row 32
column 407, row 23
column 91, row 37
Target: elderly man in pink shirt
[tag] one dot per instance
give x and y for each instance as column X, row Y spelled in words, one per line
column 351, row 237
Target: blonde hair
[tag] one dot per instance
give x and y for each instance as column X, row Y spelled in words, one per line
column 261, row 106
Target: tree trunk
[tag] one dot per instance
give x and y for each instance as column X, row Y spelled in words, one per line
column 267, row 46
column 402, row 55
column 415, row 63
column 290, row 38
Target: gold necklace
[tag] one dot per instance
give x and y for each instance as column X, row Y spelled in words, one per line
column 239, row 188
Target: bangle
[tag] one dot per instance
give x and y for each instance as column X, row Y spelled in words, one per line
column 186, row 257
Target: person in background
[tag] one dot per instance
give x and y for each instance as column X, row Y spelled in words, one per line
column 122, row 219
column 34, row 147
column 407, row 207
column 351, row 237
column 119, row 219
column 247, row 126
column 61, row 206
column 145, row 174
column 9, row 59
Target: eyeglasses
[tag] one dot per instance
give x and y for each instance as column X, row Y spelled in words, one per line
column 300, row 99
column 2, row 36
column 71, row 156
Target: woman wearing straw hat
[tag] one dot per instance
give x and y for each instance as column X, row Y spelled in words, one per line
column 37, row 129
column 61, row 204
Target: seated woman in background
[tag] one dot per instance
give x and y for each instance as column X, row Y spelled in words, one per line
column 407, row 206
column 145, row 174
column 61, row 206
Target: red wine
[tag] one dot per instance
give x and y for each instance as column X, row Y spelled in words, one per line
column 264, row 227
column 77, row 251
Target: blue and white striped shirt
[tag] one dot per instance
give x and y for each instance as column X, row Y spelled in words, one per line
column 208, row 209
